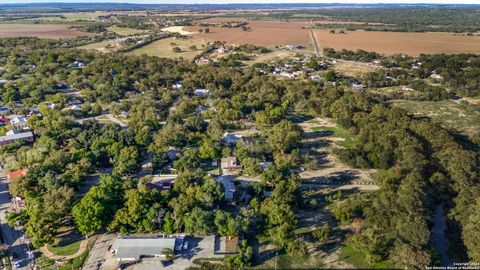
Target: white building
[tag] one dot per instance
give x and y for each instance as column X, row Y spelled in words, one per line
column 134, row 248
column 201, row 92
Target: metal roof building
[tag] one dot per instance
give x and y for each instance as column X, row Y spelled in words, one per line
column 133, row 248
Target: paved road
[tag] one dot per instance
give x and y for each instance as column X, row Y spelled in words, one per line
column 97, row 256
column 12, row 236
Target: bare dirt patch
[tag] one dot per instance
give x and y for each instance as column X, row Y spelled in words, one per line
column 394, row 42
column 53, row 31
column 263, row 33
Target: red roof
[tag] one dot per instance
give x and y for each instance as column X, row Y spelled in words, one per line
column 14, row 174
column 4, row 120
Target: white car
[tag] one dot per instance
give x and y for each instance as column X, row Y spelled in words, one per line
column 15, row 264
column 185, row 245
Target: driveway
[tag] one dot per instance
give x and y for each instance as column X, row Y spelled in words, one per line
column 99, row 253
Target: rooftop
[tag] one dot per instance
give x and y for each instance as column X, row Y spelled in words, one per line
column 136, row 247
column 17, row 136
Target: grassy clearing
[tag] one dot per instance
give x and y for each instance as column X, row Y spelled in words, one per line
column 125, row 30
column 67, row 243
column 75, row 263
column 353, row 69
column 283, row 261
column 101, row 46
column 348, row 138
column 164, row 48
column 355, row 258
column 446, row 113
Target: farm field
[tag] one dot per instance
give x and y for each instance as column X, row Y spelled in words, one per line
column 263, row 33
column 447, row 113
column 395, row 42
column 53, row 31
column 163, row 48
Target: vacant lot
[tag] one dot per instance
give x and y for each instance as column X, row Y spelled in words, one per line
column 125, row 30
column 103, row 46
column 447, row 113
column 164, row 48
column 54, row 31
column 395, row 42
column 263, row 33
column 353, row 69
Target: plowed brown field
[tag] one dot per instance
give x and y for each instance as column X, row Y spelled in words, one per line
column 263, row 33
column 394, row 42
column 54, row 31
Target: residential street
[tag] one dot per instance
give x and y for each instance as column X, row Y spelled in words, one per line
column 13, row 237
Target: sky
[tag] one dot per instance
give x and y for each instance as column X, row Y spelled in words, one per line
column 246, row 1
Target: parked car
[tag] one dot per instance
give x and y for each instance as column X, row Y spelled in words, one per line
column 15, row 264
column 185, row 245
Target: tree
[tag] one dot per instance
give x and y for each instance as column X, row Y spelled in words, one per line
column 330, row 75
column 168, row 253
column 371, row 243
column 198, row 221
column 242, row 259
column 96, row 109
column 127, row 161
column 176, row 50
column 225, row 223
column 140, row 211
column 284, row 136
column 297, row 249
column 409, row 257
column 189, row 161
column 97, row 208
column 470, row 233
column 322, row 234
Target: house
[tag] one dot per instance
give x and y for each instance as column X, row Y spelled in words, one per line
column 228, row 186
column 201, row 92
column 203, row 61
column 177, row 85
column 8, row 139
column 4, row 121
column 226, row 245
column 436, row 76
column 265, row 164
column 231, row 139
column 357, row 86
column 163, row 182
column 134, row 248
column 74, row 107
column 78, row 64
column 19, row 123
column 19, row 173
column 229, row 165
column 201, row 109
